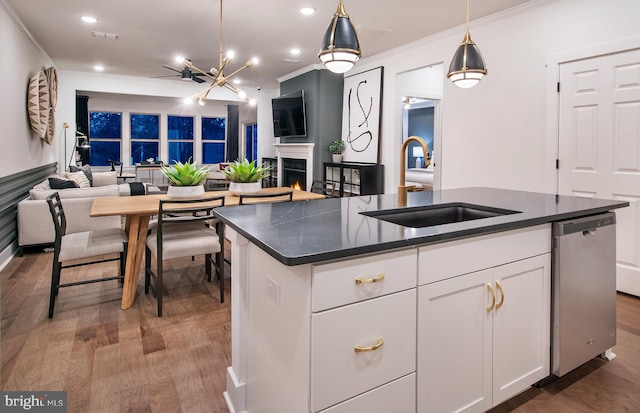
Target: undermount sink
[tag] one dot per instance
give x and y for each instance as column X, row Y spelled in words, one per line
column 430, row 215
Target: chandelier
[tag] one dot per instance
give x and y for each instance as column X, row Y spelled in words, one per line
column 217, row 76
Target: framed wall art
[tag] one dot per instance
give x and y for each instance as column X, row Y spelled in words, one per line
column 361, row 116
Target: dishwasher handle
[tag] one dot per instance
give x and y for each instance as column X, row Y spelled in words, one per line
column 587, row 225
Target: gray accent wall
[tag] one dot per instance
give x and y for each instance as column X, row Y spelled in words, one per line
column 13, row 189
column 323, row 103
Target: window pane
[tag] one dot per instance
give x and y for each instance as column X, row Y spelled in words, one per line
column 102, row 151
column 105, row 125
column 145, row 126
column 180, row 151
column 180, row 127
column 141, row 151
column 213, row 128
column 212, row 152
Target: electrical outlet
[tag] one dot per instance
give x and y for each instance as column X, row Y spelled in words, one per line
column 273, row 290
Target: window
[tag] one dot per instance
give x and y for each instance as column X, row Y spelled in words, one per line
column 105, row 136
column 251, row 141
column 213, row 140
column 145, row 135
column 180, row 134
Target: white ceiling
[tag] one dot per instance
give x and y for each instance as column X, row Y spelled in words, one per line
column 152, row 32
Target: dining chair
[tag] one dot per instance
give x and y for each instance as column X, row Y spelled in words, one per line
column 328, row 189
column 85, row 245
column 282, row 196
column 121, row 174
column 183, row 230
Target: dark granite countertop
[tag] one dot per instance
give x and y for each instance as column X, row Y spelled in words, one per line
column 327, row 229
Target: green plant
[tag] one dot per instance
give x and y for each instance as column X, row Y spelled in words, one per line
column 246, row 171
column 336, row 147
column 185, row 174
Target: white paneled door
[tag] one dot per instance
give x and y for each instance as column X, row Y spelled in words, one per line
column 599, row 145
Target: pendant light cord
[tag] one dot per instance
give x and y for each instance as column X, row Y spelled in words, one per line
column 467, row 14
column 220, row 56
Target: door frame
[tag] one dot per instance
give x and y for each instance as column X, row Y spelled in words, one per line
column 553, row 62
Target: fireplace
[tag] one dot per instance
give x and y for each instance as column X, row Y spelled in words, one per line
column 294, row 171
column 295, row 152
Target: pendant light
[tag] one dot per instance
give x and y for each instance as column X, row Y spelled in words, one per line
column 340, row 46
column 467, row 66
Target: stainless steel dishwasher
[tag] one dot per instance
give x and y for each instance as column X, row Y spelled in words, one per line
column 584, row 290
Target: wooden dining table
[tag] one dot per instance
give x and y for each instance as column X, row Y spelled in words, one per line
column 139, row 209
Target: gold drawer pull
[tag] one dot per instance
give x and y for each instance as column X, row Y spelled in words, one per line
column 501, row 295
column 360, row 349
column 377, row 279
column 493, row 298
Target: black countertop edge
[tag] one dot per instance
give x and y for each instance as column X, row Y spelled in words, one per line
column 277, row 248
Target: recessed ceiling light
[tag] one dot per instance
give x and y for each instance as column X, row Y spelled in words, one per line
column 307, row 10
column 236, row 81
column 294, row 51
column 98, row 68
column 88, row 19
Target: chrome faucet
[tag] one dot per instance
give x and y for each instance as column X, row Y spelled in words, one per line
column 403, row 189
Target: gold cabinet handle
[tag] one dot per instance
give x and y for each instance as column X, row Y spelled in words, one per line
column 493, row 298
column 376, row 279
column 360, row 349
column 499, row 286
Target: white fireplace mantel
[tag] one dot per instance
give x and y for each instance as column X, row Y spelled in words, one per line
column 296, row 151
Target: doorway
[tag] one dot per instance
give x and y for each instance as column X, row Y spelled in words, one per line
column 419, row 93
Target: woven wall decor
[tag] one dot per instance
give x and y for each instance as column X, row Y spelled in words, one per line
column 52, row 80
column 38, row 104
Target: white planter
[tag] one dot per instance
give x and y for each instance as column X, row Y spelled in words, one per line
column 185, row 191
column 337, row 157
column 237, row 188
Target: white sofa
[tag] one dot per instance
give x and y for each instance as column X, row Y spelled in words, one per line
column 35, row 225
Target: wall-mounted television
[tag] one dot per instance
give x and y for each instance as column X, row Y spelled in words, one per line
column 289, row 118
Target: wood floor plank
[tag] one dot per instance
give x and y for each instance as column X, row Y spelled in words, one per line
column 113, row 360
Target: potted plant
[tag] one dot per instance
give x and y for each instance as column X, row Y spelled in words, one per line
column 246, row 177
column 336, row 148
column 186, row 179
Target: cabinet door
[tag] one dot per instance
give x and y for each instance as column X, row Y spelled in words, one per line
column 521, row 326
column 454, row 344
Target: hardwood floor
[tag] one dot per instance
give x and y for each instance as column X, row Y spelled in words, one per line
column 110, row 360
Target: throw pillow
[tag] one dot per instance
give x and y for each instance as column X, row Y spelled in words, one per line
column 86, row 169
column 56, row 183
column 78, row 177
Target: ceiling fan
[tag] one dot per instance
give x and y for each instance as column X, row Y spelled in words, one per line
column 185, row 74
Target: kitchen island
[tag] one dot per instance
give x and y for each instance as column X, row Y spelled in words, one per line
column 334, row 310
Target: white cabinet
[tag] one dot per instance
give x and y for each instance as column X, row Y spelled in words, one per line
column 419, row 314
column 361, row 346
column 484, row 336
column 305, row 321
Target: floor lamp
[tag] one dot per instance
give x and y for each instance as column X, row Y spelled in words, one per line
column 85, row 144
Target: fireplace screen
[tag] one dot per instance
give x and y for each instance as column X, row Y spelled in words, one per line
column 294, row 171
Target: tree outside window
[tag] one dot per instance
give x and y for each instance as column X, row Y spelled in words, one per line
column 251, row 141
column 213, row 140
column 145, row 137
column 180, row 136
column 105, row 137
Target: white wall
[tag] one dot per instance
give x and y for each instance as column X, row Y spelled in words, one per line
column 20, row 59
column 496, row 134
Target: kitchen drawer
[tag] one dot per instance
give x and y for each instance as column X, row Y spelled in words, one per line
column 335, row 284
column 449, row 259
column 338, row 372
column 399, row 396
